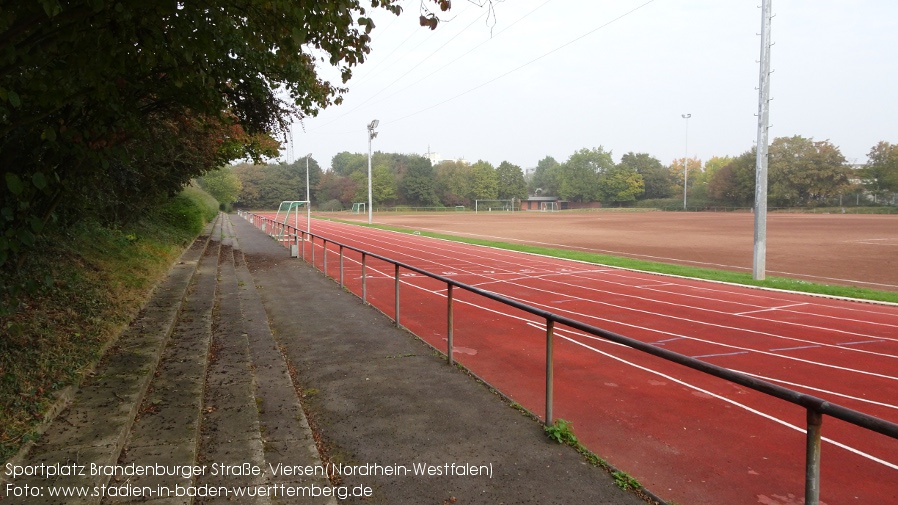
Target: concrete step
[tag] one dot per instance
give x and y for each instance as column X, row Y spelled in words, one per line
column 230, row 442
column 92, row 430
column 287, row 438
column 166, row 430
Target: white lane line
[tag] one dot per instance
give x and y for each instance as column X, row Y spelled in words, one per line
column 730, row 346
column 745, row 407
column 700, row 356
column 819, row 390
column 795, row 348
column 688, row 320
column 769, row 309
column 735, row 329
column 564, row 295
column 727, row 400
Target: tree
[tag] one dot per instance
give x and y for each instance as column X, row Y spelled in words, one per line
column 511, row 181
column 692, row 175
column 108, row 106
column 346, row 163
column 297, row 172
column 805, row 172
column 734, row 183
column 383, row 189
column 621, row 184
column 454, row 183
column 418, row 184
column 222, row 184
column 359, row 180
column 655, row 176
column 880, row 175
column 545, row 177
column 484, row 181
column 580, row 174
column 714, row 164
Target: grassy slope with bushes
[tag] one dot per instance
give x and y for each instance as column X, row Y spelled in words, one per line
column 101, row 278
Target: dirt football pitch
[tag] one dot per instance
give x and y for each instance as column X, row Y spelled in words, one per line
column 842, row 249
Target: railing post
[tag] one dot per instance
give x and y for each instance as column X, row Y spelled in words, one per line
column 303, row 235
column 550, row 330
column 450, row 324
column 364, row 280
column 397, row 295
column 312, row 247
column 324, row 241
column 341, row 265
column 812, row 461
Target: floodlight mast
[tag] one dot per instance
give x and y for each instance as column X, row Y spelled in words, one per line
column 308, row 200
column 759, row 255
column 371, row 135
column 686, row 158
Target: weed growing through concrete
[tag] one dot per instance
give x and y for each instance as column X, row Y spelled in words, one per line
column 625, row 482
column 562, row 432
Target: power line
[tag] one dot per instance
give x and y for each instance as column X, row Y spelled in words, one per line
column 438, row 69
column 417, row 30
column 525, row 64
column 460, row 57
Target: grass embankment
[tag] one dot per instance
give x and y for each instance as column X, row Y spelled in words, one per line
column 666, row 268
column 101, row 278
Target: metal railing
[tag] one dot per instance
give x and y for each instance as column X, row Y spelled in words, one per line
column 816, row 408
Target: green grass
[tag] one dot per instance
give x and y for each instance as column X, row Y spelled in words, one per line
column 781, row 283
column 100, row 278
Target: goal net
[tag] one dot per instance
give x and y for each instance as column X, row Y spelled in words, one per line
column 358, row 208
column 548, row 206
column 494, row 206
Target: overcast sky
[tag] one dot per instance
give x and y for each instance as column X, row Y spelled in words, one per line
column 552, row 77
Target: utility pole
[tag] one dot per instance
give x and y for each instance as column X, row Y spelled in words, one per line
column 760, row 249
column 686, row 158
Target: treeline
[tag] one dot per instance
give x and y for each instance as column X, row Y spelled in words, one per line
column 802, row 172
column 397, row 179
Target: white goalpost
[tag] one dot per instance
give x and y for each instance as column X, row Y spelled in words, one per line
column 286, row 207
column 494, row 206
column 548, row 206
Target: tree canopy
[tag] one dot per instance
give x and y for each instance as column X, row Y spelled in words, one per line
column 107, row 107
column 880, row 174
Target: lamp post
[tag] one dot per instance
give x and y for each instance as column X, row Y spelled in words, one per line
column 371, row 135
column 686, row 158
column 308, row 199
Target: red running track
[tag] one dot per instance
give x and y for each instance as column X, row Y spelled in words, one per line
column 688, row 437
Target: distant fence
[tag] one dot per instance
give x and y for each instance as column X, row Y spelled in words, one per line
column 815, row 408
column 705, row 208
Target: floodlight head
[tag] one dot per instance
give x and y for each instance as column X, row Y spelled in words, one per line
column 373, row 124
column 373, row 135
column 309, row 155
column 686, row 116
